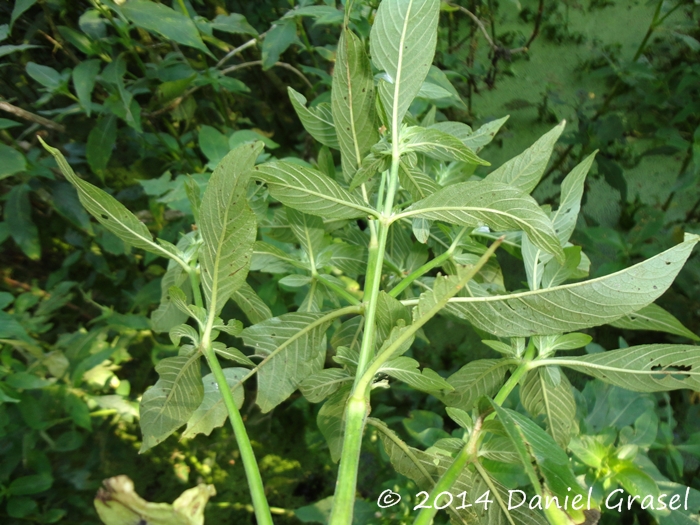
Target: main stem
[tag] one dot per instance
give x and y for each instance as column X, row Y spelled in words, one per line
column 358, row 407
column 250, row 464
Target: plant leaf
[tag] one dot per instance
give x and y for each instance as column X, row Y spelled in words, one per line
column 310, row 191
column 425, row 469
column 482, row 377
column 170, row 403
column 282, row 35
column 268, row 258
column 309, row 230
column 402, row 45
column 644, row 368
column 406, row 369
column 233, row 23
column 564, row 219
column 484, row 135
column 497, row 205
column 251, row 304
column 18, row 217
column 111, row 213
column 416, row 182
column 319, row 386
column 653, row 317
column 212, row 413
column 438, row 145
column 574, row 306
column 84, row 76
column 100, row 144
column 556, row 403
column 318, row 121
column 525, row 171
column 553, row 465
column 353, row 103
column 11, row 161
column 228, row 226
column 330, row 421
column 294, row 347
column 168, row 314
column 164, row 21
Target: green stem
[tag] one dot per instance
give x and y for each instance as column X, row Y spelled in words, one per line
column 437, row 261
column 250, row 464
column 358, row 406
column 365, row 381
column 450, row 476
column 375, row 262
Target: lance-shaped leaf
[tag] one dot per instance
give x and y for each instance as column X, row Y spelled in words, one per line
column 319, row 386
column 552, row 463
column 310, row 191
column 294, row 348
column 572, row 307
column 416, row 182
column 482, row 377
column 645, row 368
column 406, row 369
column 112, row 214
column 212, row 413
column 268, row 258
column 653, row 317
column 496, row 205
column 167, row 314
column 425, row 470
column 309, row 231
column 556, row 402
column 438, row 145
column 352, row 103
column 390, row 313
column 402, row 45
column 330, row 421
column 371, row 165
column 228, row 226
column 525, row 171
column 251, row 304
column 484, row 135
column 564, row 219
column 318, row 121
column 168, row 405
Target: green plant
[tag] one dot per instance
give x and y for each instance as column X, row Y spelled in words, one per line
column 399, row 177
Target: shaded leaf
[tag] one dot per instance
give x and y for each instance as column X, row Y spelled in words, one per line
column 497, row 205
column 525, row 171
column 212, row 412
column 402, row 44
column 228, row 227
column 294, row 348
column 310, row 191
column 575, row 306
column 164, row 21
column 170, row 403
column 318, row 120
column 353, row 104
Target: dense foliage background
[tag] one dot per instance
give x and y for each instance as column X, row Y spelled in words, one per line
column 142, row 97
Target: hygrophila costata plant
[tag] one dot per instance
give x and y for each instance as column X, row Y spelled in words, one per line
column 405, row 191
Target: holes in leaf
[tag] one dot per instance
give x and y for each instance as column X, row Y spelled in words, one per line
column 105, row 217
